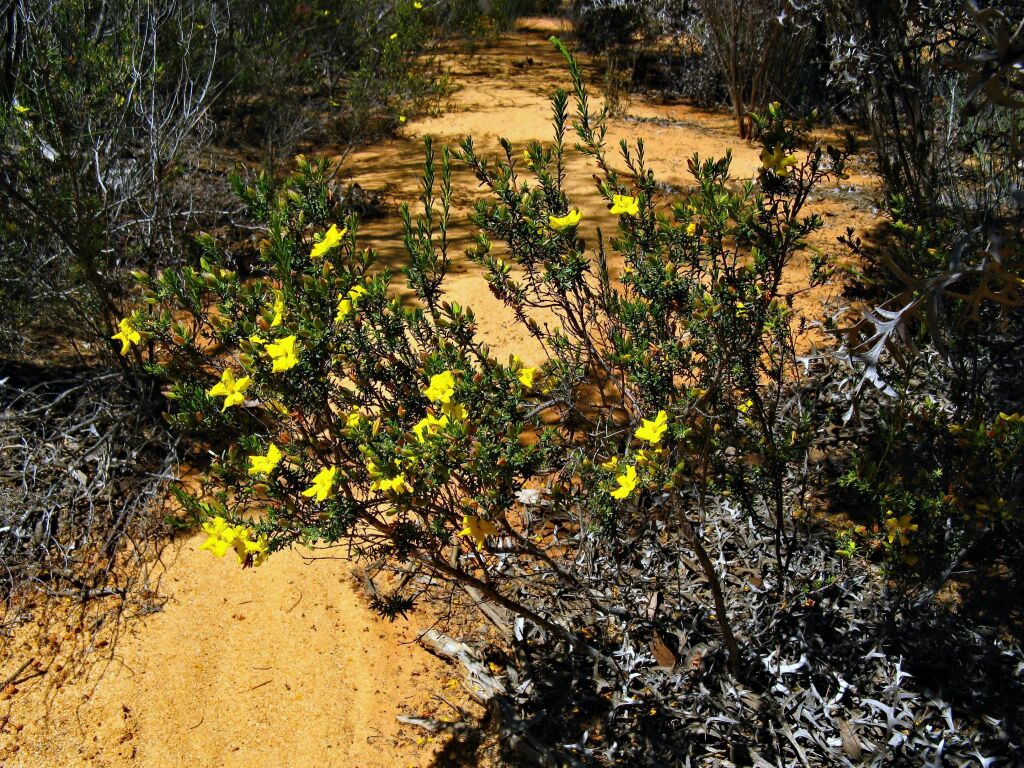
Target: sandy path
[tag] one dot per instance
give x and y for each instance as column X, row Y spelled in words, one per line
column 285, row 665
column 282, row 665
column 504, row 92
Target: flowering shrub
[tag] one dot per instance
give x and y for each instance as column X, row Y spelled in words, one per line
column 700, row 332
column 350, row 416
column 934, row 489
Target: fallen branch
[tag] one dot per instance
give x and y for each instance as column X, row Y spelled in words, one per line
column 490, row 691
column 85, row 594
column 481, row 684
column 431, row 725
column 499, row 616
column 11, row 678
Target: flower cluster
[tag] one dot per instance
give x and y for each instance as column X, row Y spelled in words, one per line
column 221, row 536
column 441, row 391
column 650, row 432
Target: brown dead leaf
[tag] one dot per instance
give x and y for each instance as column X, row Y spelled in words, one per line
column 663, row 655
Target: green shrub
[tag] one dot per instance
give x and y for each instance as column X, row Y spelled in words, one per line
column 294, row 72
column 100, row 125
column 352, row 417
column 925, row 71
column 933, row 489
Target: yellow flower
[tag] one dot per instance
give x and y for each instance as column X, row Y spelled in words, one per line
column 264, row 465
column 777, row 161
column 418, row 5
column 746, row 406
column 394, row 36
column 238, row 537
column 455, row 411
column 442, row 387
column 128, row 335
column 429, row 426
column 321, row 487
column 222, row 536
column 354, row 418
column 278, row 309
column 332, row 237
column 21, row 109
column 898, row 528
column 611, row 464
column 525, row 375
column 345, row 308
column 478, row 529
column 349, row 302
column 651, row 431
column 231, row 389
column 250, row 552
column 691, row 229
column 627, row 483
column 283, row 354
column 401, row 118
column 257, row 340
column 219, row 536
column 625, row 204
column 218, row 545
column 215, row 526
column 396, row 484
column 645, row 458
column 562, row 223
